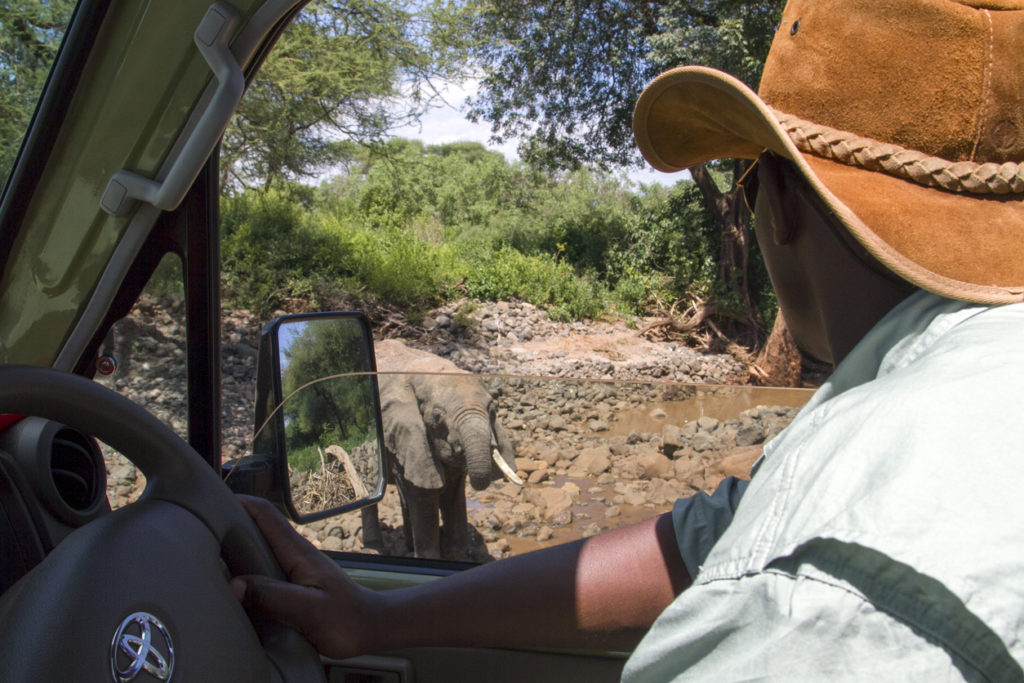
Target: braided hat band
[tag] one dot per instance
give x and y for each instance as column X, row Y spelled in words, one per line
column 935, row 203
column 929, row 171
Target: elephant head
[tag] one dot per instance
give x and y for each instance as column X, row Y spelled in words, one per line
column 437, row 418
column 462, row 429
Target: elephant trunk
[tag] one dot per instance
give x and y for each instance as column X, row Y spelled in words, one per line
column 474, row 433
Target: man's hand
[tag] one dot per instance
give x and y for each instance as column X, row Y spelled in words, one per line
column 600, row 593
column 319, row 601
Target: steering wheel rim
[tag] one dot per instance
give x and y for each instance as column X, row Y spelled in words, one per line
column 175, row 474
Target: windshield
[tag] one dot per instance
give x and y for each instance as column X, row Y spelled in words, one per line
column 30, row 34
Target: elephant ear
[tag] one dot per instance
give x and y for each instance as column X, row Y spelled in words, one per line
column 405, row 437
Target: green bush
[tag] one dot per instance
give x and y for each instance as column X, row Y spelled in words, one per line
column 405, row 223
column 273, row 247
column 540, row 280
column 402, row 269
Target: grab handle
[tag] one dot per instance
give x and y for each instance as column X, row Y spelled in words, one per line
column 212, row 37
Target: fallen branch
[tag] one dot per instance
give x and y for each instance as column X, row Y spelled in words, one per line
column 350, row 471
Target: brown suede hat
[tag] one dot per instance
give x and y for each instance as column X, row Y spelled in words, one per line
column 906, row 116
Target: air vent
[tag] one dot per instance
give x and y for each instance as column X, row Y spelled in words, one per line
column 76, row 470
column 63, row 466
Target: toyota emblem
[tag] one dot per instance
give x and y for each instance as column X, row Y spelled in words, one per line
column 141, row 643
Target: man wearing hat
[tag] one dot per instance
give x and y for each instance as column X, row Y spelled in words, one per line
column 880, row 534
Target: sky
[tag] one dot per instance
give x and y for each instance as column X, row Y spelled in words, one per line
column 448, row 124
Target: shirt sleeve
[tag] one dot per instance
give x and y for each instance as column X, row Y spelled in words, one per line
column 700, row 520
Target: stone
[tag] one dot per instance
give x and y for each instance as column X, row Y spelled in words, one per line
column 703, row 441
column 750, row 435
column 552, row 501
column 548, row 454
column 594, row 460
column 662, row 493
column 671, row 439
column 612, row 511
column 538, row 476
column 331, row 543
column 739, row 462
column 563, row 518
column 634, row 497
column 707, row 424
column 690, row 471
column 527, row 465
column 654, row 465
column 509, row 490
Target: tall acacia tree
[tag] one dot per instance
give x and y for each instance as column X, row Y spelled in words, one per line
column 566, row 73
column 343, row 71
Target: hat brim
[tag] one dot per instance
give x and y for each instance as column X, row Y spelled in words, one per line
column 956, row 245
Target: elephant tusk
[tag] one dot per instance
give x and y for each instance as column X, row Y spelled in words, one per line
column 505, row 469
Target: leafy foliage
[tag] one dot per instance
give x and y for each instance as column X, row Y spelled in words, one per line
column 565, row 75
column 342, row 71
column 325, row 404
column 30, row 33
column 411, row 225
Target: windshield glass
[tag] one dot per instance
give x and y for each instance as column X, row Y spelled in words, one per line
column 584, row 455
column 30, row 34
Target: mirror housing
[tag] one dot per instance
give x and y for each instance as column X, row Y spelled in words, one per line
column 317, row 449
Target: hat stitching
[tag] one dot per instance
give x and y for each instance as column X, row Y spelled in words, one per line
column 986, row 88
column 955, row 176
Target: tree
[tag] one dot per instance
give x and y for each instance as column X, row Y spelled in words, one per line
column 30, row 33
column 342, row 71
column 566, row 75
column 322, row 398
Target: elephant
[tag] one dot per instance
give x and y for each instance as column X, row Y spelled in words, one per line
column 437, row 430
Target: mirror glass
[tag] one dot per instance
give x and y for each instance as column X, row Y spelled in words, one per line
column 326, row 422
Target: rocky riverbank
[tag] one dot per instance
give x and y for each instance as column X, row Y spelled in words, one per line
column 592, row 454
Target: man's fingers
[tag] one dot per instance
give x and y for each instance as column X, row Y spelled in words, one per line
column 287, row 603
column 289, row 547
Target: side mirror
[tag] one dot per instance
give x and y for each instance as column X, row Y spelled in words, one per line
column 317, row 449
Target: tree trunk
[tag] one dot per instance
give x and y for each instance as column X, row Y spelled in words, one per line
column 730, row 213
column 780, row 360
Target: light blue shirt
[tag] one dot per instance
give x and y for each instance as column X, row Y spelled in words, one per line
column 882, row 536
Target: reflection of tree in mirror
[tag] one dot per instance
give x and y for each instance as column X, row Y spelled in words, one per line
column 323, row 406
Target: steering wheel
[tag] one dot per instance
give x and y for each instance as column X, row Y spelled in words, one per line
column 143, row 591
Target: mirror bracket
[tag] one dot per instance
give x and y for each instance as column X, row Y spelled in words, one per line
column 317, row 449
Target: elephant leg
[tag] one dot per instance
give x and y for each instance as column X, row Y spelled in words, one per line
column 455, row 528
column 422, row 506
column 372, row 537
column 406, row 521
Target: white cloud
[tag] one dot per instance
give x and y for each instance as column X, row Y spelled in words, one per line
column 448, row 123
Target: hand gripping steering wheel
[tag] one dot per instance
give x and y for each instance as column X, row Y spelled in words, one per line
column 142, row 592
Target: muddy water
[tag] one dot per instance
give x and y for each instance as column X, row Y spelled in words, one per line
column 589, row 509
column 721, row 403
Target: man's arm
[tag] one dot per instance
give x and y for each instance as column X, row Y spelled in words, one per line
column 602, row 593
